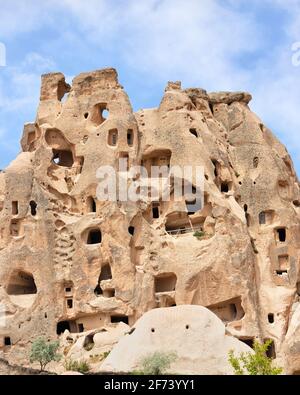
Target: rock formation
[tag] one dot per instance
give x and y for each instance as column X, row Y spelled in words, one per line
column 71, row 261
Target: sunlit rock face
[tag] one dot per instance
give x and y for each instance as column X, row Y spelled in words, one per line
column 71, row 261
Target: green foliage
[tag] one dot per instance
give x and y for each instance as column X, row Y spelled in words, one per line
column 44, row 352
column 199, row 234
column 106, row 354
column 77, row 366
column 156, row 363
column 256, row 363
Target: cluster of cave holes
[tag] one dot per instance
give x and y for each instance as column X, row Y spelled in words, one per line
column 32, row 205
column 187, row 326
column 73, row 327
column 21, row 283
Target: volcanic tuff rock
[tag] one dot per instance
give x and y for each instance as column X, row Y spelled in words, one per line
column 193, row 334
column 70, row 261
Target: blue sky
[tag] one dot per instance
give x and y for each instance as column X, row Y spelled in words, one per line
column 213, row 44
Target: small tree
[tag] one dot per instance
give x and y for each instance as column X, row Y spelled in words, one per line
column 157, row 363
column 44, row 352
column 256, row 363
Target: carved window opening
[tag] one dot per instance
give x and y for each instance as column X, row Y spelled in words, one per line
column 105, row 273
column 194, row 132
column 130, row 137
column 92, row 205
column 131, row 230
column 63, row 326
column 165, row 282
column 249, row 341
column 15, row 208
column 70, row 303
column 225, row 187
column 123, row 161
column 33, row 207
column 229, row 311
column 63, row 158
column 271, row 351
column 113, row 137
column 271, row 318
column 21, row 283
column 255, row 162
column 94, row 236
column 155, row 210
column 283, row 265
column 114, row 319
column 262, row 218
column 281, row 235
column 100, row 113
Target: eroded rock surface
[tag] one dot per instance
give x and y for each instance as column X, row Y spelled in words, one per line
column 70, row 261
column 193, row 334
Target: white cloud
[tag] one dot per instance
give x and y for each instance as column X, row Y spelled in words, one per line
column 20, row 85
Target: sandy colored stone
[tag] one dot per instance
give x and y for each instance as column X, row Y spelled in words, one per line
column 239, row 268
column 193, row 333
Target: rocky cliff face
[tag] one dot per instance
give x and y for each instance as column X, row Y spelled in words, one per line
column 70, row 261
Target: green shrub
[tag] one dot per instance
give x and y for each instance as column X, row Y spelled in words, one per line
column 77, row 366
column 256, row 363
column 156, row 363
column 199, row 234
column 44, row 352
